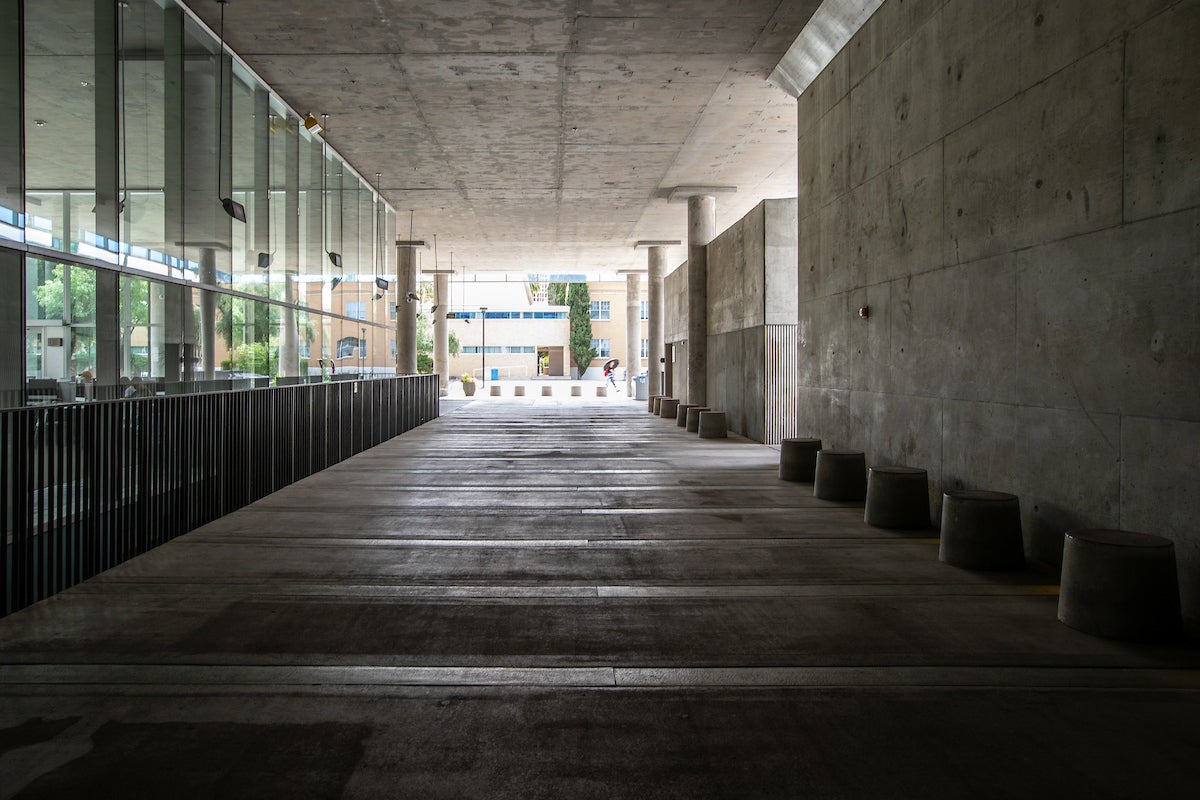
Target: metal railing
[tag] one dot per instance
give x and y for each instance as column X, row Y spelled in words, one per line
column 86, row 486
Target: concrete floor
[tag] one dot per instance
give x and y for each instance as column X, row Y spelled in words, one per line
column 557, row 598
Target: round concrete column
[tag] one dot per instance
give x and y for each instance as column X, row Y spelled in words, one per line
column 656, row 262
column 441, row 331
column 702, row 227
column 406, row 312
column 633, row 329
column 208, row 314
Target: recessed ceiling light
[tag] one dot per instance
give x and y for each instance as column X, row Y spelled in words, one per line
column 41, row 123
column 84, row 83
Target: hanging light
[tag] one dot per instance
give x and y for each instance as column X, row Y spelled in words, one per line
column 232, row 207
column 312, row 125
column 334, row 258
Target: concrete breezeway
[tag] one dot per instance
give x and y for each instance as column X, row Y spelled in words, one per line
column 553, row 598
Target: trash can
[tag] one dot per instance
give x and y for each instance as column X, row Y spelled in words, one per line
column 642, row 392
column 495, row 374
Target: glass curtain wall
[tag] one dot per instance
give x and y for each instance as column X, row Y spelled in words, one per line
column 135, row 129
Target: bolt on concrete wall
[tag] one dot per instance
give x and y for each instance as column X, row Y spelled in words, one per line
column 1013, row 189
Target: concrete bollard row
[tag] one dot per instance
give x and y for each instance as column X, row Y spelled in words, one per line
column 681, row 414
column 1115, row 584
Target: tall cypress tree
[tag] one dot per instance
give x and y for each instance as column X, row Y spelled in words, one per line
column 579, row 304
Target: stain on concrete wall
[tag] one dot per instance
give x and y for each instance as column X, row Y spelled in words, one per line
column 1013, row 189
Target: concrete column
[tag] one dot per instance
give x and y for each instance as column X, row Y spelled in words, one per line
column 657, row 264
column 441, row 331
column 108, row 328
column 702, row 227
column 105, row 94
column 12, row 321
column 208, row 315
column 633, row 329
column 406, row 312
column 158, row 328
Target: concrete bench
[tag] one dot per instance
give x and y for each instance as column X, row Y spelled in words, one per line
column 494, row 391
column 667, row 407
column 681, row 414
column 576, row 391
column 897, row 497
column 651, row 402
column 692, row 423
column 1119, row 585
column 840, row 475
column 547, row 391
column 713, row 425
column 981, row 530
column 601, row 391
column 518, row 391
column 798, row 459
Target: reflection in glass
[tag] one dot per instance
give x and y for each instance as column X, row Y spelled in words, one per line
column 60, row 125
column 60, row 321
column 12, row 219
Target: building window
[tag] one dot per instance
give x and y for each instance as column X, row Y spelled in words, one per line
column 392, row 312
column 603, row 347
column 347, row 345
column 304, row 349
column 645, row 348
column 601, row 309
column 356, row 310
column 645, row 309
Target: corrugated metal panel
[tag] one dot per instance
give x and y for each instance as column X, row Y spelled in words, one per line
column 783, row 379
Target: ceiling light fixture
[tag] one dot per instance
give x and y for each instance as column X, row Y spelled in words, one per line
column 312, row 125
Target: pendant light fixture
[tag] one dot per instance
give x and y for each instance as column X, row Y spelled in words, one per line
column 334, row 258
column 265, row 259
column 381, row 283
column 231, row 206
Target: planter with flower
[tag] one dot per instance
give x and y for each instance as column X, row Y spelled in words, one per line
column 468, row 384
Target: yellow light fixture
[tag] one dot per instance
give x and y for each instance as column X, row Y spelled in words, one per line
column 312, row 125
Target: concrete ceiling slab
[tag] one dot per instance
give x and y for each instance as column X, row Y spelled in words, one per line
column 539, row 135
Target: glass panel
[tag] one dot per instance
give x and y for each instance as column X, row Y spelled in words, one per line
column 12, row 220
column 60, row 322
column 251, row 165
column 142, row 101
column 313, row 265
column 206, row 228
column 60, row 123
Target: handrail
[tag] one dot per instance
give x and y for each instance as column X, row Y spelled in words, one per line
column 86, row 486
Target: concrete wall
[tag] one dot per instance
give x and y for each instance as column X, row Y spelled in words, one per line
column 1012, row 187
column 751, row 283
column 737, row 379
column 675, row 322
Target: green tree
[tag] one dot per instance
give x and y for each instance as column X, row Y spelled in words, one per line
column 579, row 312
column 556, row 293
column 49, row 293
column 455, row 344
column 424, row 345
column 255, row 357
